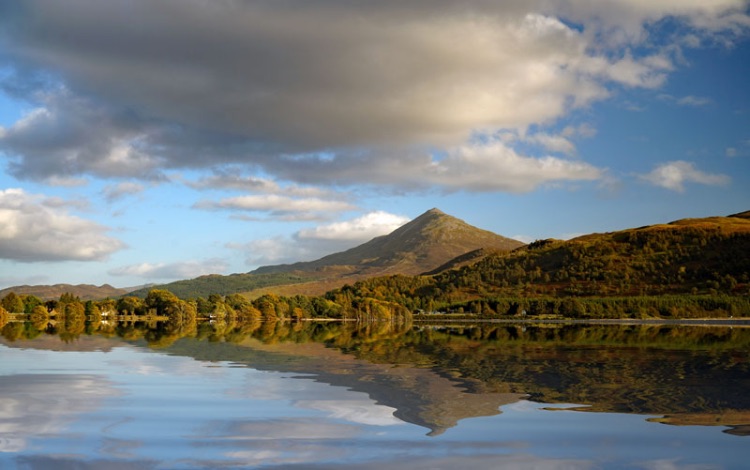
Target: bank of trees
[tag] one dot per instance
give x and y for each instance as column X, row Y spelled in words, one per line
column 368, row 302
column 14, row 303
column 163, row 304
column 636, row 307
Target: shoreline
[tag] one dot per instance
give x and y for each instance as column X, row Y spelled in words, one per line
column 731, row 322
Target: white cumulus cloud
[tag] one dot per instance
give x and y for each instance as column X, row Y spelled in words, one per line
column 36, row 228
column 497, row 166
column 675, row 174
column 360, row 229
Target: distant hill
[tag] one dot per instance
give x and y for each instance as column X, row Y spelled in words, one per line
column 707, row 256
column 84, row 291
column 742, row 215
column 423, row 244
column 204, row 286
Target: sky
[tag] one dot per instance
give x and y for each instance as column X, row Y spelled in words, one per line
column 146, row 142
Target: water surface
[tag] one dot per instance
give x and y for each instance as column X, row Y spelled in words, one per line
column 374, row 396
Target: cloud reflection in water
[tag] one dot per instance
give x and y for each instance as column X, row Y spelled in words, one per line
column 56, row 401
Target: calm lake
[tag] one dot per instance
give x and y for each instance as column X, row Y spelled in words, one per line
column 371, row 396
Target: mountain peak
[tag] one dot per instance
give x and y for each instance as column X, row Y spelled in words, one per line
column 431, row 214
column 419, row 246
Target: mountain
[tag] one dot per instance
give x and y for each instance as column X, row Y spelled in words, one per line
column 423, row 244
column 418, row 394
column 84, row 291
column 705, row 257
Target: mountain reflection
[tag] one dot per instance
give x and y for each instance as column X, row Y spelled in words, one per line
column 437, row 375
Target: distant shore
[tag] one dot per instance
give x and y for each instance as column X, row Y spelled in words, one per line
column 739, row 322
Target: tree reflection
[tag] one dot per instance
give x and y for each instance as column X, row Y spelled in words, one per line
column 688, row 374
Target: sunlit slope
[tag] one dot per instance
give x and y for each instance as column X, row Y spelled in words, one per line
column 689, row 255
column 695, row 256
column 421, row 245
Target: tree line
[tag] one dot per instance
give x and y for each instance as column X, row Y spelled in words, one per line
column 164, row 304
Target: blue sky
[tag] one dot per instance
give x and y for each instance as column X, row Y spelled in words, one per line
column 146, row 142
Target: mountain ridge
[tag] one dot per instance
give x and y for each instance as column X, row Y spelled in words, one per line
column 704, row 255
column 421, row 245
column 84, row 291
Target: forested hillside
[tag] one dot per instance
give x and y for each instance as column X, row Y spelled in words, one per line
column 687, row 261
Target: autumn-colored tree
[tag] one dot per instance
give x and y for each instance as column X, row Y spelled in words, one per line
column 204, row 306
column 248, row 313
column 74, row 309
column 107, row 306
column 73, row 320
column 12, row 303
column 92, row 309
column 29, row 302
column 39, row 317
column 67, row 297
column 3, row 316
column 162, row 301
column 12, row 331
column 129, row 305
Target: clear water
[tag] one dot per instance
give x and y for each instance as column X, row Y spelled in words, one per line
column 104, row 402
